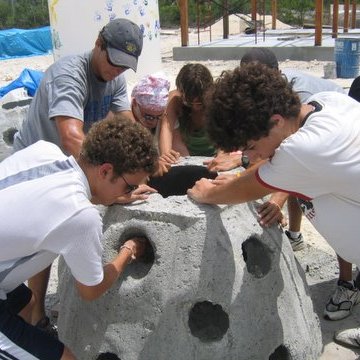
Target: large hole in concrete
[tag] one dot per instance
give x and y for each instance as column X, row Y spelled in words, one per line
column 8, row 135
column 280, row 353
column 139, row 268
column 179, row 179
column 208, row 321
column 256, row 256
column 107, row 356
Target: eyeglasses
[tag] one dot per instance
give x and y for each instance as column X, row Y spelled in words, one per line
column 149, row 117
column 130, row 188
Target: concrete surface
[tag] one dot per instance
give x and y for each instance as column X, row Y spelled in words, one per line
column 220, row 287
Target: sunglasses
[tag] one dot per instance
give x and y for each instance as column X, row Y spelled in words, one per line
column 149, row 117
column 130, row 188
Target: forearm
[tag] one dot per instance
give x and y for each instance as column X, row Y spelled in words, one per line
column 112, row 271
column 279, row 198
column 165, row 139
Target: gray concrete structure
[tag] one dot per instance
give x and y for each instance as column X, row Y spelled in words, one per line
column 219, row 287
column 11, row 119
column 293, row 44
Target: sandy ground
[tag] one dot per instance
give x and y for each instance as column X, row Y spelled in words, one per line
column 317, row 259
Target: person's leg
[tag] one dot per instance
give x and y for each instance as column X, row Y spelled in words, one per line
column 345, row 270
column 19, row 339
column 346, row 294
column 295, row 216
column 38, row 285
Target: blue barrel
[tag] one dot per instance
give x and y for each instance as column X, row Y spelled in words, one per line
column 347, row 57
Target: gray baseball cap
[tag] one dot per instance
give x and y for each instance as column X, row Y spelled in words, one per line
column 124, row 42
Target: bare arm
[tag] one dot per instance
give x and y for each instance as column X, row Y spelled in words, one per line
column 132, row 248
column 234, row 191
column 71, row 134
column 270, row 212
column 168, row 122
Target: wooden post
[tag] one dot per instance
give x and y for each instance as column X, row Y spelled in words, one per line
column 184, row 22
column 335, row 19
column 253, row 10
column 353, row 15
column 318, row 22
column 225, row 19
column 273, row 14
column 346, row 15
column 253, row 17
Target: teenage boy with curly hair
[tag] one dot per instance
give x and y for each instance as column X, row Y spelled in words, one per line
column 115, row 157
column 309, row 150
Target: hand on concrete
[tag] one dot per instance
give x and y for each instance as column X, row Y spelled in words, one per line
column 270, row 213
column 141, row 193
column 223, row 162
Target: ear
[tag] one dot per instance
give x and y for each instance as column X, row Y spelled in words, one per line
column 98, row 42
column 106, row 170
column 277, row 120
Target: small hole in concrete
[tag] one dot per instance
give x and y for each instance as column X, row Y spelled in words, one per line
column 280, row 353
column 107, row 356
column 139, row 268
column 8, row 136
column 208, row 321
column 256, row 256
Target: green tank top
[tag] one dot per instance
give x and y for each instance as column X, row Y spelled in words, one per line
column 198, row 143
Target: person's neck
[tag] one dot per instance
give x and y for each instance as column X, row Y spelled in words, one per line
column 305, row 110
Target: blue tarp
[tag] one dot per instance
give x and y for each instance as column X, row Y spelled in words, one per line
column 28, row 79
column 20, row 43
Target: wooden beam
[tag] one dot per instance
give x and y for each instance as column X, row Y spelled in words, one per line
column 273, row 14
column 335, row 26
column 346, row 15
column 184, row 22
column 318, row 22
column 353, row 15
column 225, row 19
column 253, row 10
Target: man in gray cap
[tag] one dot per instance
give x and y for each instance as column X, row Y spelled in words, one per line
column 75, row 92
column 78, row 90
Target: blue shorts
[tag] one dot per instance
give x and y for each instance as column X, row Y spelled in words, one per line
column 20, row 340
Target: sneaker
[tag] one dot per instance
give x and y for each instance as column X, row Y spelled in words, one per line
column 296, row 244
column 45, row 325
column 340, row 304
column 349, row 338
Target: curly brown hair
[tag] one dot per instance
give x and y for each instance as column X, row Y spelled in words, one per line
column 127, row 145
column 242, row 102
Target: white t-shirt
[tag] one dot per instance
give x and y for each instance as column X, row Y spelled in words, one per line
column 45, row 212
column 320, row 163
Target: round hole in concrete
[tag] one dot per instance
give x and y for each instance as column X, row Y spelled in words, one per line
column 107, row 356
column 139, row 268
column 280, row 353
column 8, row 135
column 208, row 322
column 257, row 257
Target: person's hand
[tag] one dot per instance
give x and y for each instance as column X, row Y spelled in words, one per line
column 270, row 213
column 165, row 162
column 136, row 247
column 141, row 193
column 163, row 168
column 171, row 157
column 224, row 162
column 200, row 190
